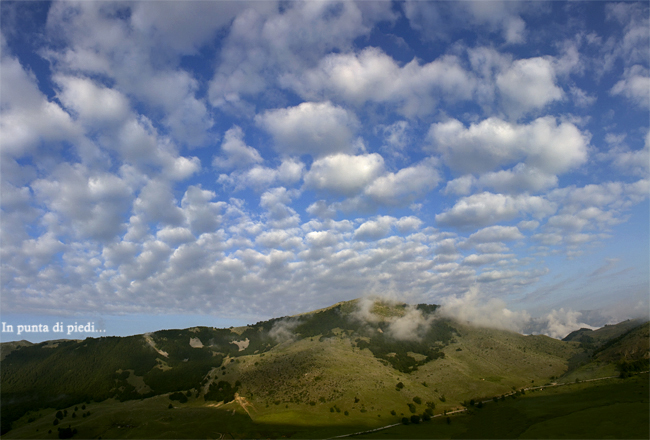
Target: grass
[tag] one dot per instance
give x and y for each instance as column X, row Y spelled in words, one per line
column 613, row 408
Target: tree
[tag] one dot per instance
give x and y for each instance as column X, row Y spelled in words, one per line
column 59, row 415
column 448, row 420
column 417, row 400
column 426, row 417
column 405, row 421
column 415, row 418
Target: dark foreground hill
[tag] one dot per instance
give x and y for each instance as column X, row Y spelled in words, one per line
column 358, row 363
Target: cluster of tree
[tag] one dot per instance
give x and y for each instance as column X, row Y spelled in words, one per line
column 627, row 368
column 221, row 391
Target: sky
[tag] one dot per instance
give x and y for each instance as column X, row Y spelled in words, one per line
column 170, row 164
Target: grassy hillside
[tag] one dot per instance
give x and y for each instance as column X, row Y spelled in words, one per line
column 584, row 410
column 318, row 374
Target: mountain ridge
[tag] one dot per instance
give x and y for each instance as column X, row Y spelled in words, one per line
column 365, row 357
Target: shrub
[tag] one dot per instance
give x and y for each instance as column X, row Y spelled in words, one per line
column 399, row 385
column 393, row 413
column 411, row 407
column 428, row 412
column 346, row 413
column 415, row 418
column 426, row 417
column 448, row 420
column 417, row 400
column 442, row 398
column 431, row 405
column 59, row 415
column 331, row 410
column 405, row 421
column 55, row 422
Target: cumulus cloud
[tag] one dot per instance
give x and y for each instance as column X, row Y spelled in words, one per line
column 374, row 76
column 529, row 84
column 28, row 117
column 374, row 229
column 268, row 42
column 487, row 208
column 344, row 174
column 494, row 234
column 315, row 128
column 406, row 185
column 543, row 144
column 236, row 153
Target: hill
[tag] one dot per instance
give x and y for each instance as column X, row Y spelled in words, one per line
column 356, row 364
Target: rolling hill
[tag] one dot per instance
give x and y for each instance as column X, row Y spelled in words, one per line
column 358, row 364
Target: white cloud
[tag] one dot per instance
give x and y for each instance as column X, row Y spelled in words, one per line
column 542, row 144
column 157, row 203
column 407, row 184
column 488, row 208
column 493, row 234
column 479, row 260
column 28, row 118
column 460, row 186
column 344, row 174
column 374, row 76
column 635, row 86
column 201, row 214
column 437, row 20
column 312, row 128
column 266, row 41
column 91, row 204
column 93, row 103
column 560, row 323
column 237, row 153
column 260, row 177
column 527, row 85
column 375, row 229
column 475, row 309
column 519, row 179
column 412, row 326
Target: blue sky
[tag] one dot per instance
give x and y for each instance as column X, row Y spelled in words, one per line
column 167, row 164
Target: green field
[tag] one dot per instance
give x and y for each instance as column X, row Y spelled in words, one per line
column 615, row 408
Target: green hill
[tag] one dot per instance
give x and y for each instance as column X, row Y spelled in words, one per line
column 357, row 364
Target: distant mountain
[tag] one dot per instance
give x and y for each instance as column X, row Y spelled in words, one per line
column 363, row 358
